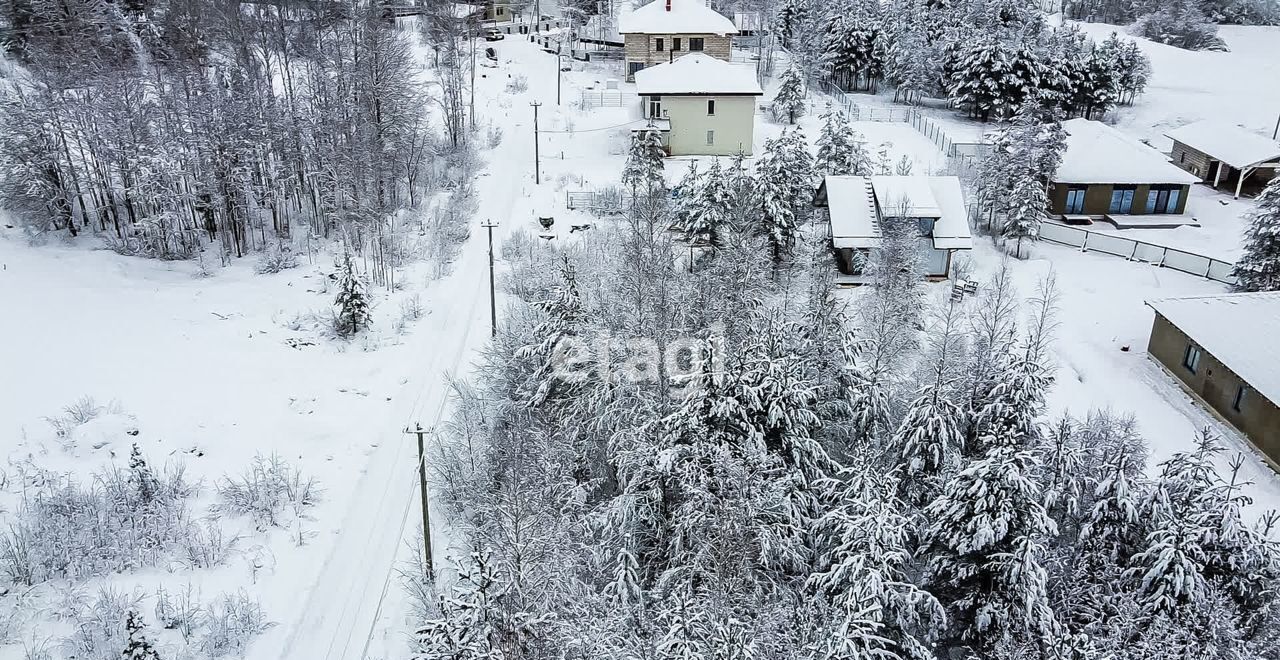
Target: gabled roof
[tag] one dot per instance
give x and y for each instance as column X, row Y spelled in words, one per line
column 857, row 204
column 1239, row 329
column 1098, row 153
column 676, row 17
column 1231, row 144
column 697, row 74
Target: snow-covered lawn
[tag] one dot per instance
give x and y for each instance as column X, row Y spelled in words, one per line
column 1102, row 312
column 1239, row 86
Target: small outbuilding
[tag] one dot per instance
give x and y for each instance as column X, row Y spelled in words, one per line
column 702, row 106
column 1225, row 154
column 666, row 30
column 1223, row 349
column 861, row 206
column 1106, row 174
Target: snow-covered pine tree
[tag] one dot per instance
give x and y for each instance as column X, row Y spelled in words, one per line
column 1179, row 23
column 707, row 214
column 137, row 647
column 1027, row 206
column 791, row 19
column 141, row 477
column 352, row 299
column 686, row 195
column 993, row 77
column 643, row 172
column 863, row 572
column 983, row 543
column 1258, row 268
column 789, row 101
column 784, row 174
column 565, row 313
column 835, row 144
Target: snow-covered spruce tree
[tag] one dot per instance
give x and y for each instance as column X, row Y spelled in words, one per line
column 352, row 300
column 927, row 445
column 142, row 477
column 789, row 102
column 986, row 555
column 138, row 647
column 686, row 195
column 791, row 20
column 1258, row 268
column 864, row 572
column 643, row 172
column 1133, row 67
column 1027, row 207
column 707, row 213
column 992, row 77
column 477, row 621
column 1179, row 23
column 784, row 174
column 558, row 365
column 842, row 151
column 911, row 63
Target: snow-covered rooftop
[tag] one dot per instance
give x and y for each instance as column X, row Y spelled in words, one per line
column 676, row 17
column 696, row 74
column 1231, row 144
column 1239, row 329
column 856, row 204
column 1098, row 153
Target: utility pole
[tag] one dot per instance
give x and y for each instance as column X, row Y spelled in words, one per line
column 493, row 302
column 471, row 30
column 1276, row 131
column 426, row 510
column 558, row 67
column 537, row 164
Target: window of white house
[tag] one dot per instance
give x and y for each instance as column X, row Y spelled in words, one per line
column 1191, row 358
column 711, row 107
column 1237, row 401
column 655, row 107
column 711, row 138
column 658, row 44
column 695, row 44
column 675, row 44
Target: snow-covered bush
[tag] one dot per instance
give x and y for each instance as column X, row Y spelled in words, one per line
column 80, row 412
column 267, row 489
column 230, row 623
column 98, row 627
column 517, row 83
column 180, row 611
column 207, row 546
column 278, row 256
column 123, row 519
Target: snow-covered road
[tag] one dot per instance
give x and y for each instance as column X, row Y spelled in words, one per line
column 336, row 620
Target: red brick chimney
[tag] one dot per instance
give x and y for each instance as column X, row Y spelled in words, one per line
column 668, row 5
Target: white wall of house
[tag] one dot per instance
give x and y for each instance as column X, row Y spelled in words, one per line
column 697, row 132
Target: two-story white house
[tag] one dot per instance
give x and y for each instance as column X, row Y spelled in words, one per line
column 702, row 106
column 664, row 30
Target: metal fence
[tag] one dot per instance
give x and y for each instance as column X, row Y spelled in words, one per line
column 597, row 201
column 1127, row 248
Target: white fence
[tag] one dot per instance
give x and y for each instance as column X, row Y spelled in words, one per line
column 1127, row 248
column 603, row 202
column 602, row 98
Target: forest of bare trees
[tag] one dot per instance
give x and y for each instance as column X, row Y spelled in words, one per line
column 167, row 125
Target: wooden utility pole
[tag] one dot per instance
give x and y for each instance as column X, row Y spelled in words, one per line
column 493, row 302
column 426, row 508
column 537, row 164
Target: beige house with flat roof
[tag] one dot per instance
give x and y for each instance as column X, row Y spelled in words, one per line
column 702, row 106
column 665, row 30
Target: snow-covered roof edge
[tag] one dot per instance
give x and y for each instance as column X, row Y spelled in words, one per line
column 1231, row 144
column 1238, row 329
column 697, row 74
column 682, row 17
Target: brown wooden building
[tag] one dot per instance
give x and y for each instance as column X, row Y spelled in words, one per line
column 1223, row 154
column 664, row 30
column 1224, row 351
column 1105, row 173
